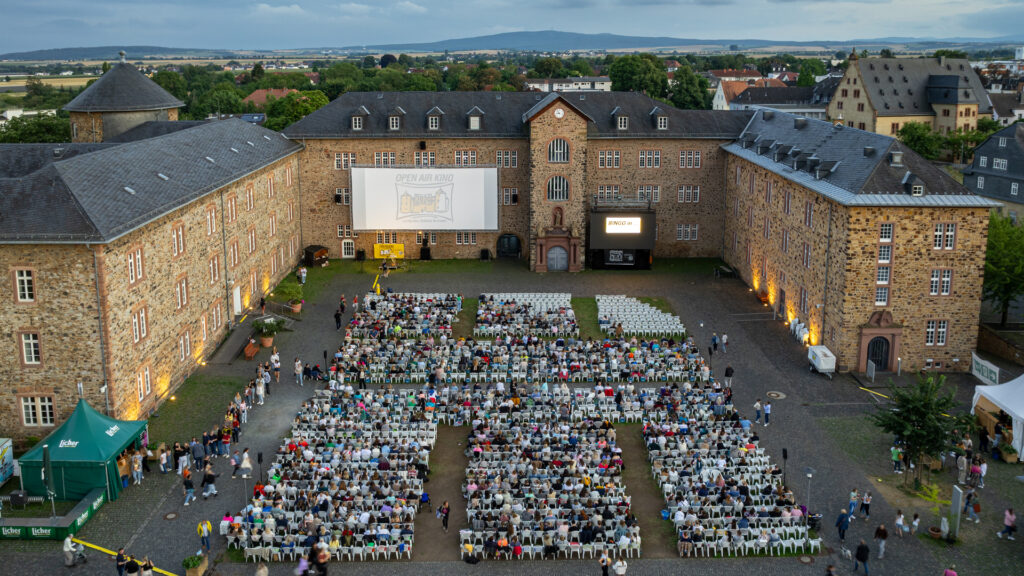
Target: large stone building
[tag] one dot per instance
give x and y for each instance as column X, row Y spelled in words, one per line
column 997, row 171
column 126, row 261
column 559, row 157
column 884, row 94
column 876, row 251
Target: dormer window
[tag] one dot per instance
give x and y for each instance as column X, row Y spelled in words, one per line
column 394, row 122
column 434, row 122
column 917, row 190
column 622, row 122
column 357, row 122
column 662, row 122
column 474, row 122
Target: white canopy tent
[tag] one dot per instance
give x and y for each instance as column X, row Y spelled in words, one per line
column 1009, row 398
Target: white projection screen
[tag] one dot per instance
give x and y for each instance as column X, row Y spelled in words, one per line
column 424, row 198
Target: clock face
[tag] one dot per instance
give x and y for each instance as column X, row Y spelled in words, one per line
column 559, row 112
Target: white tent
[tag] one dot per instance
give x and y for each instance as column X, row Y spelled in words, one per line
column 1009, row 398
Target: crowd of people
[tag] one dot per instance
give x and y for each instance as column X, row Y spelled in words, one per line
column 519, row 314
column 408, row 315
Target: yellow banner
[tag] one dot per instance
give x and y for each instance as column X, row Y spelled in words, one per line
column 381, row 251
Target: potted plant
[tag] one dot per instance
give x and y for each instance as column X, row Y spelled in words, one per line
column 195, row 565
column 1008, row 453
column 266, row 329
column 290, row 291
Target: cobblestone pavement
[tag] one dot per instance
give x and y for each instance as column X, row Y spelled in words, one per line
column 765, row 359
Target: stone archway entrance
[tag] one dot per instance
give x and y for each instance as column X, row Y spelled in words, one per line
column 558, row 259
column 878, row 352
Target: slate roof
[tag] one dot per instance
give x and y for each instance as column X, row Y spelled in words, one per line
column 259, row 97
column 503, row 116
column 17, row 160
column 154, row 128
column 998, row 182
column 900, row 86
column 733, row 88
column 1005, row 104
column 100, row 195
column 775, row 95
column 123, row 89
column 849, row 166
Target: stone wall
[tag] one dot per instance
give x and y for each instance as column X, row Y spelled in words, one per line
column 64, row 315
column 86, row 127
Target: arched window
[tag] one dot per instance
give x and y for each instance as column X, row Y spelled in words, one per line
column 558, row 151
column 558, row 189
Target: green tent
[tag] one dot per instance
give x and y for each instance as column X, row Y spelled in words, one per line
column 83, row 455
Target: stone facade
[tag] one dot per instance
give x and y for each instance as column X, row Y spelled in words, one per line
column 102, row 126
column 832, row 290
column 68, row 278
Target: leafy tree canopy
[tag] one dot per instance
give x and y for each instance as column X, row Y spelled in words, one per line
column 922, row 139
column 639, row 73
column 28, row 129
column 285, row 111
column 1004, row 264
column 690, row 91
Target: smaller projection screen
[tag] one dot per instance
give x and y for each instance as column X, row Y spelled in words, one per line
column 424, row 198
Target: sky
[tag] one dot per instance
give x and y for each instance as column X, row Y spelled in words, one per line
column 269, row 24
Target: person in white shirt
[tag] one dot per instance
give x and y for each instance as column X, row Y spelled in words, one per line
column 620, row 567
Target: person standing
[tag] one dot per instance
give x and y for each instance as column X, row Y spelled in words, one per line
column 263, row 305
column 972, row 506
column 767, row 411
column 204, row 529
column 298, row 371
column 246, row 466
column 881, row 535
column 714, row 341
column 337, row 319
column 843, row 524
column 188, row 487
column 445, row 511
column 861, row 556
column 961, row 469
column 728, row 376
column 236, row 463
column 605, row 563
column 854, row 497
column 69, row 552
column 901, row 525
column 897, row 459
column 620, row 566
column 725, row 342
column 757, row 411
column 865, row 505
column 122, row 560
column 1009, row 524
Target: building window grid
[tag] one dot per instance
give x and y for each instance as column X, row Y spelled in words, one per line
column 883, row 274
column 558, row 189
column 999, row 164
column 808, row 213
column 134, row 266
column 25, row 285
column 945, row 236
column 935, row 332
column 884, row 254
column 558, row 151
column 982, row 161
column 807, row 255
column 510, row 196
column 785, row 241
column 184, row 346
column 214, row 269
column 786, row 205
column 885, row 232
column 508, row 158
column 803, row 300
column 394, row 122
column 687, row 232
column 181, row 292
column 662, row 122
column 37, row 411
column 650, row 159
column 688, row 194
column 270, row 185
column 425, row 159
column 881, row 295
column 343, row 160
column 250, row 199
column 1014, row 186
column 211, row 220
column 30, row 348
column 433, row 122
column 689, row 158
column 465, row 157
column 608, row 159
column 648, row 193
column 383, row 159
column 767, row 228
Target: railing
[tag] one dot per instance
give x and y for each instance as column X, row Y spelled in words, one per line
column 620, row 200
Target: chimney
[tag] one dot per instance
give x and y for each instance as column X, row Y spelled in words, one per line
column 799, row 123
column 942, row 60
column 896, row 159
column 869, row 151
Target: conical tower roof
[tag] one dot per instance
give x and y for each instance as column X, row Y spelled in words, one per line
column 123, row 89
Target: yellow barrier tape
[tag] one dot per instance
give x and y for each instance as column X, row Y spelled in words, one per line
column 887, row 398
column 112, row 553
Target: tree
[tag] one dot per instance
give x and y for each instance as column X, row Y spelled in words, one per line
column 690, row 91
column 387, row 60
column 1004, row 264
column 172, row 82
column 582, row 67
column 639, row 73
column 292, row 108
column 548, row 68
column 917, row 416
column 257, row 71
column 106, row 67
column 962, row 54
column 921, row 139
column 369, row 62
column 28, row 129
column 885, row 53
column 988, row 125
column 405, row 60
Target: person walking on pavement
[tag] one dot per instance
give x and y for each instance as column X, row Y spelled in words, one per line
column 1009, row 524
column 188, row 487
column 854, row 496
column 901, row 524
column 445, row 511
column 843, row 524
column 861, row 556
column 757, row 411
column 298, row 371
column 767, row 411
column 620, row 567
column 198, row 453
column 605, row 563
column 204, row 529
column 728, row 376
column 275, row 364
column 246, row 466
column 881, row 535
column 865, row 505
column 209, row 482
column 337, row 319
column 725, row 342
column 714, row 341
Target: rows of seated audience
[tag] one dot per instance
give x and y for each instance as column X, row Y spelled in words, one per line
column 522, row 313
column 408, row 315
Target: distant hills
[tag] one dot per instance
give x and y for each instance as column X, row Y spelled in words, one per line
column 541, row 41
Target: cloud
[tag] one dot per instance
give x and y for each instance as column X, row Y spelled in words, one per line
column 355, row 9
column 408, row 6
column 280, row 10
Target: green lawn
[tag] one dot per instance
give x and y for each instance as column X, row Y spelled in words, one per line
column 467, row 319
column 198, row 405
column 586, row 318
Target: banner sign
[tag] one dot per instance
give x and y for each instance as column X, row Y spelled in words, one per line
column 985, row 371
column 384, row 251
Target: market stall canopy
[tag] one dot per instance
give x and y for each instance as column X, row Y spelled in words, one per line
column 1009, row 398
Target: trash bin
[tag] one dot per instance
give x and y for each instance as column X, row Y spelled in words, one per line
column 814, row 522
column 19, row 498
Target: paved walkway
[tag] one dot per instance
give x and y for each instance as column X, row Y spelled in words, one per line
column 763, row 354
